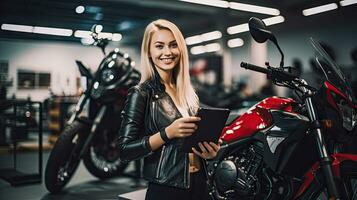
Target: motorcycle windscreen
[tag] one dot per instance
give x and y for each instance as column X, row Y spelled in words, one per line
column 332, row 71
column 282, row 139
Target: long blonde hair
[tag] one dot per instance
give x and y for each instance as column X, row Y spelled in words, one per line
column 187, row 96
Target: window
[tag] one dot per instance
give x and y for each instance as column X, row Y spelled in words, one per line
column 33, row 80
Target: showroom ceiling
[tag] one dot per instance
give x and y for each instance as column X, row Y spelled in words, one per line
column 129, row 17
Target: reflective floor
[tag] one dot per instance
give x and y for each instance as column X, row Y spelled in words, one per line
column 82, row 186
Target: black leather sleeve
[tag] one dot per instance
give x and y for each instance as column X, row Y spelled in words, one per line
column 133, row 143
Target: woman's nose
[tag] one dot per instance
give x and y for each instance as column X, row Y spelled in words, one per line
column 167, row 51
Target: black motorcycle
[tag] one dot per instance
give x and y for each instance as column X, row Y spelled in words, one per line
column 92, row 129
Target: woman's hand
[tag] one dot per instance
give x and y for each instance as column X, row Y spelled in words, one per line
column 208, row 150
column 182, row 127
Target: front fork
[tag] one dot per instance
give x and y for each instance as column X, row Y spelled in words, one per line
column 325, row 158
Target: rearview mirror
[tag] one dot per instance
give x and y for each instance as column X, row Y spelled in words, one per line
column 260, row 34
column 257, row 29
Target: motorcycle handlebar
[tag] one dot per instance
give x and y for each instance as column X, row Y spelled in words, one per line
column 275, row 73
column 255, row 68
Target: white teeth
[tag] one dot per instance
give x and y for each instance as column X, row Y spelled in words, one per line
column 167, row 59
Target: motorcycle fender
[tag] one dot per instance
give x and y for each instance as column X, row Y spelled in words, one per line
column 337, row 160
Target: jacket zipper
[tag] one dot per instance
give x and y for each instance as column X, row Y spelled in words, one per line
column 163, row 147
column 160, row 162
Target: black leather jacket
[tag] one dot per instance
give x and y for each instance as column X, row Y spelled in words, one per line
column 148, row 109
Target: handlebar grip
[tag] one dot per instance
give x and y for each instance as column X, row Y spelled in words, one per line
column 254, row 68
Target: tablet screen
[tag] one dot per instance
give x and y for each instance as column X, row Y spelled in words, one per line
column 209, row 127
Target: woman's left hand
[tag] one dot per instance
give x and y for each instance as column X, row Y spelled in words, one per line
column 208, row 150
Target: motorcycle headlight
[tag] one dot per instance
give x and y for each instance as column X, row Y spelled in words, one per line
column 108, row 75
column 348, row 117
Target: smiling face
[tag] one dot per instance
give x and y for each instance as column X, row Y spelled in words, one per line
column 164, row 50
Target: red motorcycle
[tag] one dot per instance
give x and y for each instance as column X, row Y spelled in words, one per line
column 290, row 149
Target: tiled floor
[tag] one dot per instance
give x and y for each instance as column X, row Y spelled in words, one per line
column 82, row 186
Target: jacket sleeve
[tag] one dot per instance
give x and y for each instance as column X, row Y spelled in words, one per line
column 133, row 143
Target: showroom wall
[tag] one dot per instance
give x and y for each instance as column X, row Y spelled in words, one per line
column 294, row 41
column 56, row 58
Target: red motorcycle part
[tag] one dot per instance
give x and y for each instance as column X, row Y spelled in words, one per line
column 337, row 159
column 256, row 118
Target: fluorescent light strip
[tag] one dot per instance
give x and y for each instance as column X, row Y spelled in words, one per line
column 117, row 37
column 15, row 27
column 238, row 29
column 197, row 50
column 273, row 20
column 213, row 35
column 237, row 42
column 319, row 9
column 212, row 47
column 253, row 8
column 205, row 48
column 82, row 34
column 52, row 31
column 244, row 27
column 105, row 35
column 215, row 3
column 347, row 2
column 236, row 6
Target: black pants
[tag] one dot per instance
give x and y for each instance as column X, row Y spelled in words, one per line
column 197, row 191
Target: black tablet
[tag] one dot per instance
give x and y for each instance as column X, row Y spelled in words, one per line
column 209, row 128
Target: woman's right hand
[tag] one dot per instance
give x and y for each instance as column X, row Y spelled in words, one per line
column 182, row 127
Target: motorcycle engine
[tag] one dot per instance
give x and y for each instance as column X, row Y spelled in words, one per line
column 236, row 174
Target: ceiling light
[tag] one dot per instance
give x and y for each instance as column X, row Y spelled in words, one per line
column 87, row 41
column 273, row 20
column 15, row 27
column 193, row 40
column 116, row 37
column 197, row 50
column 215, row 3
column 105, row 35
column 244, row 27
column 98, row 28
column 238, row 29
column 205, row 48
column 211, row 35
column 319, row 9
column 80, row 9
column 52, row 31
column 237, row 42
column 82, row 34
column 212, row 47
column 203, row 37
column 347, row 2
column 253, row 8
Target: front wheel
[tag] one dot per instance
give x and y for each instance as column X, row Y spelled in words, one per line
column 347, row 185
column 64, row 158
column 102, row 159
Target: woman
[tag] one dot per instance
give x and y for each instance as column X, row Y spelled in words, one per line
column 159, row 114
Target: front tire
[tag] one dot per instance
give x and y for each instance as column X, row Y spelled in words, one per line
column 64, row 160
column 347, row 185
column 102, row 160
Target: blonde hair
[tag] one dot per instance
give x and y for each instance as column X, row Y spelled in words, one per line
column 187, row 96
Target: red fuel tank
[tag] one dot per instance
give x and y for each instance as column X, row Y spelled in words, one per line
column 256, row 118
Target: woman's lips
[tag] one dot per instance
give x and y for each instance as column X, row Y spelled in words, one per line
column 167, row 60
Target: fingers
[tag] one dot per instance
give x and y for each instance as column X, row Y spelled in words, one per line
column 197, row 152
column 208, row 147
column 188, row 125
column 215, row 146
column 203, row 149
column 208, row 150
column 190, row 119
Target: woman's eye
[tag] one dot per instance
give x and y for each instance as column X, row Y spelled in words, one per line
column 174, row 45
column 159, row 46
